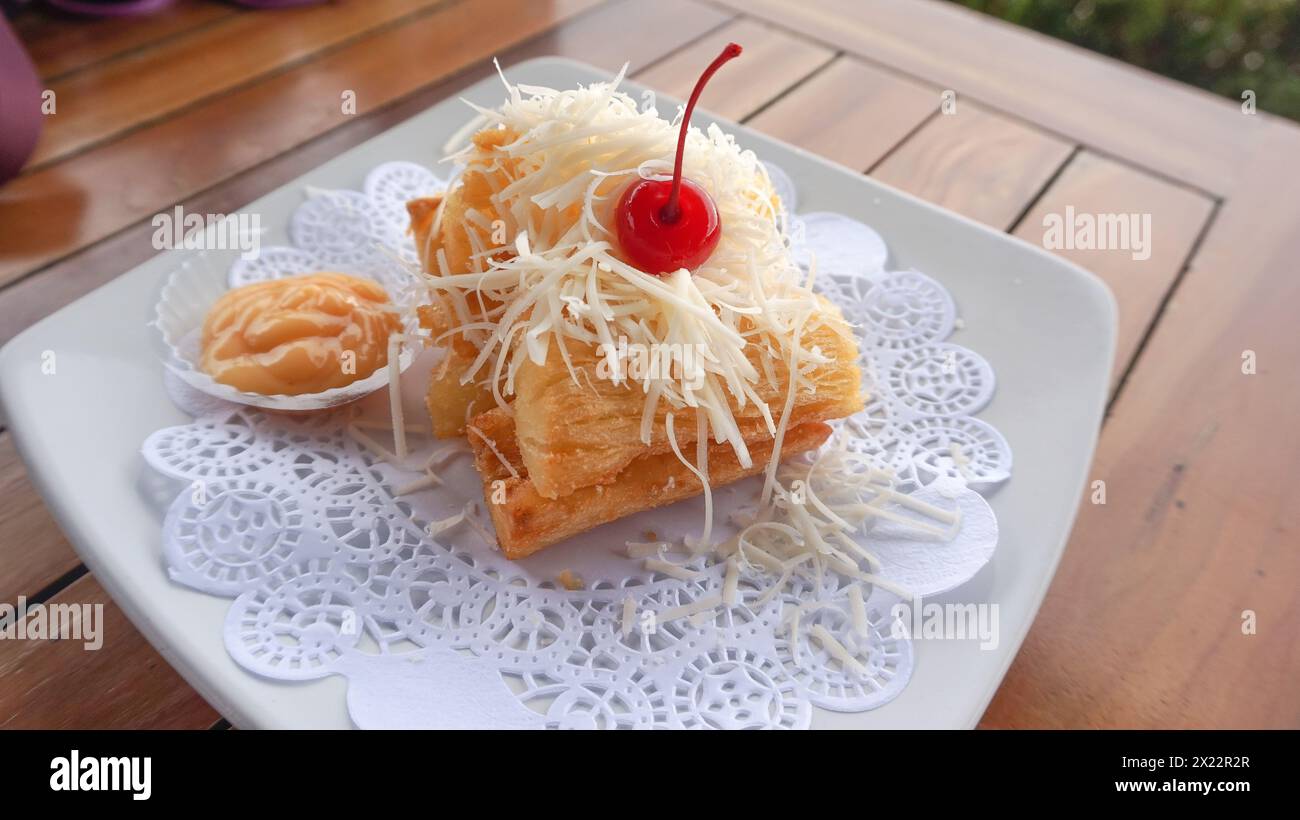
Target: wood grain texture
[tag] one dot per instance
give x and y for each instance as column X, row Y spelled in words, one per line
column 772, row 61
column 85, row 198
column 1093, row 185
column 59, row 44
column 1091, row 99
column 124, row 684
column 851, row 112
column 143, row 86
column 976, row 162
column 33, row 551
column 1143, row 624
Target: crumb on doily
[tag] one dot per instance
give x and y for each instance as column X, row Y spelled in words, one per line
column 570, row 581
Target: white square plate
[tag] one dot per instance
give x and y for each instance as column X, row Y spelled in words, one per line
column 1046, row 326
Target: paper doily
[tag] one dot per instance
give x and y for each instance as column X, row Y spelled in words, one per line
column 333, row 572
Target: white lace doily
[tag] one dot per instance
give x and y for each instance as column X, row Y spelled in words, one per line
column 333, row 572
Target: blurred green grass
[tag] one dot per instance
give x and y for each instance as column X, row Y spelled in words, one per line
column 1224, row 46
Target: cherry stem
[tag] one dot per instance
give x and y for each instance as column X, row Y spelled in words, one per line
column 671, row 210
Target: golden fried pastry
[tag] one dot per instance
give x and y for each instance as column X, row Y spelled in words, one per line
column 526, row 522
column 303, row 334
column 576, row 433
column 451, row 404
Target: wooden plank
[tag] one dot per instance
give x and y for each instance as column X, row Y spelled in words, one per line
column 57, row 209
column 1158, row 123
column 124, row 684
column 772, row 62
column 96, row 106
column 60, row 44
column 1143, row 625
column 1093, row 185
column 851, row 112
column 978, row 163
column 599, row 37
column 33, row 551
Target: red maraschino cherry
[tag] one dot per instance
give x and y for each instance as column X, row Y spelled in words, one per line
column 664, row 226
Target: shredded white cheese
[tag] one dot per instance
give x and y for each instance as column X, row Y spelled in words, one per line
column 672, row 570
column 492, row 445
column 686, row 610
column 837, row 650
column 629, row 615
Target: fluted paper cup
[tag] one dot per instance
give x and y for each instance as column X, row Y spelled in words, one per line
column 190, row 292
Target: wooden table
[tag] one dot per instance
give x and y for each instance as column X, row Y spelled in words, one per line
column 210, row 107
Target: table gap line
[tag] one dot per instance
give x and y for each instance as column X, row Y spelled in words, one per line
column 705, row 35
column 799, row 83
column 142, row 47
column 1042, row 192
column 1159, row 312
column 59, row 584
column 913, row 131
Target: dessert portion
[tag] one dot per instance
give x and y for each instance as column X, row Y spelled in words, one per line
column 621, row 320
column 302, row 334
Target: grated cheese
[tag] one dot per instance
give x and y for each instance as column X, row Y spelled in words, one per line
column 423, row 483
column 395, row 398
column 645, row 549
column 629, row 615
column 686, row 610
column 730, row 582
column 858, row 609
column 672, row 570
column 492, row 445
column 837, row 650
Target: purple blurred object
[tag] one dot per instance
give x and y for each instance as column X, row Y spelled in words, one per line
column 274, row 4
column 20, row 103
column 110, row 8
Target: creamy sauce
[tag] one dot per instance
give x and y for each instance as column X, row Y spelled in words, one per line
column 298, row 335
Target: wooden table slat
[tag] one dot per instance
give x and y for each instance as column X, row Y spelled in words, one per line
column 976, row 162
column 33, row 551
column 772, row 62
column 1143, row 625
column 1093, row 185
column 95, row 106
column 60, row 45
column 851, row 113
column 124, row 684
